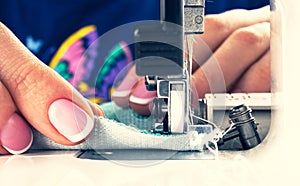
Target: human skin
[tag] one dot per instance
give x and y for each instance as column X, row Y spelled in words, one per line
column 33, row 94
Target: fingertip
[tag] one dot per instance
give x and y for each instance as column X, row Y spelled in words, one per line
column 70, row 120
column 121, row 95
column 141, row 99
column 121, row 98
column 144, row 110
column 96, row 109
column 16, row 136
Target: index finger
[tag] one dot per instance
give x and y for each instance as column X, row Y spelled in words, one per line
column 44, row 98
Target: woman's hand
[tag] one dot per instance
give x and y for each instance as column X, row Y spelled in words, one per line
column 33, row 94
column 239, row 41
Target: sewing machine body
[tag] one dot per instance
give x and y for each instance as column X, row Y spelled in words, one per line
column 160, row 57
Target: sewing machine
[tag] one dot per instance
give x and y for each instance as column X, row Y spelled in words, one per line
column 160, row 58
column 270, row 163
column 160, row 48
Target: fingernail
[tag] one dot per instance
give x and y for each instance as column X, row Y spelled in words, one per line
column 121, row 94
column 70, row 120
column 16, row 135
column 141, row 99
column 141, row 95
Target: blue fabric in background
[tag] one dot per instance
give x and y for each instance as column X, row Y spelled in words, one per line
column 218, row 6
column 52, row 21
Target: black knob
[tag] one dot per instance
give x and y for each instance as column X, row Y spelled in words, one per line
column 246, row 126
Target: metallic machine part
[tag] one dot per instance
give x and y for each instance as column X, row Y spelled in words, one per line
column 159, row 51
column 194, row 16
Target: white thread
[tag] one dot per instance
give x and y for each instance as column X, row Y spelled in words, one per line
column 214, row 151
column 207, row 121
column 188, row 69
column 230, row 127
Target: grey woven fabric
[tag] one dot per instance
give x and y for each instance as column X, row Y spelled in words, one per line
column 127, row 116
column 117, row 131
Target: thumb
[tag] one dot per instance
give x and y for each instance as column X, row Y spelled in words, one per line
column 45, row 99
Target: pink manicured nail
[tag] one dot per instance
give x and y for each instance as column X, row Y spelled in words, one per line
column 16, row 136
column 121, row 95
column 141, row 95
column 70, row 120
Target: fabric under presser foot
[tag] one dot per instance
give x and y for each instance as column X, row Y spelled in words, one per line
column 124, row 129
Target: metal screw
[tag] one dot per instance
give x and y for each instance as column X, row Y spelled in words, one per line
column 199, row 19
